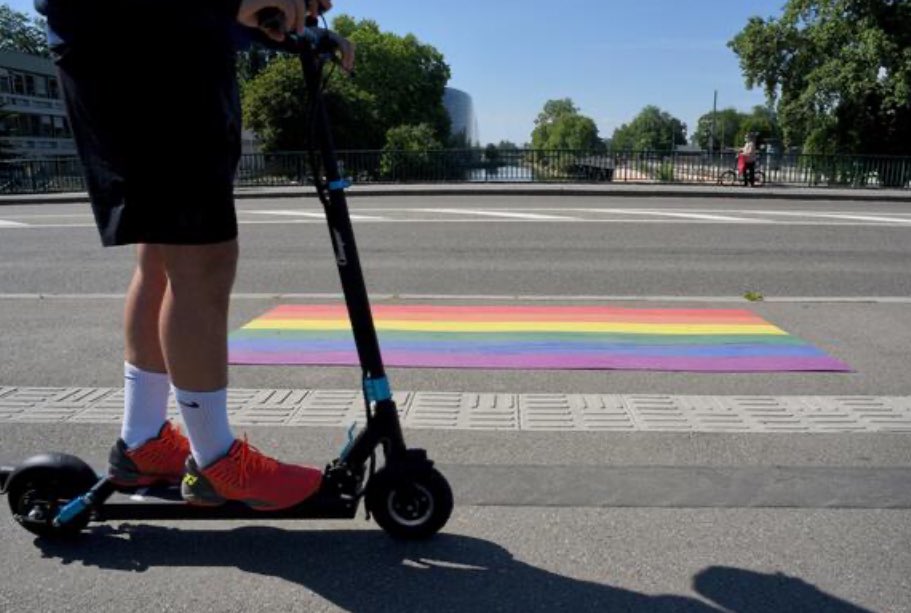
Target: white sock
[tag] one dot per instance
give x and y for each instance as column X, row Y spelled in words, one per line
column 206, row 417
column 145, row 404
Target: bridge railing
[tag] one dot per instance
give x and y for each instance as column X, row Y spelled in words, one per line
column 508, row 166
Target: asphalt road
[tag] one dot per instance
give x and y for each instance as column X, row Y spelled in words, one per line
column 516, row 245
column 61, row 294
column 544, row 521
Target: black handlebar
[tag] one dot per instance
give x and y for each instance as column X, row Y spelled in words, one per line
column 273, row 19
column 314, row 39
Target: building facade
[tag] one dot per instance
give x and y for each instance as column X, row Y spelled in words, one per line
column 36, row 125
column 460, row 107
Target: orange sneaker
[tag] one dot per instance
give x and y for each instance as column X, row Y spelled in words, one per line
column 245, row 474
column 159, row 460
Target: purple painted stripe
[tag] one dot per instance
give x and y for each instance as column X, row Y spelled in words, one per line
column 406, row 359
column 534, row 348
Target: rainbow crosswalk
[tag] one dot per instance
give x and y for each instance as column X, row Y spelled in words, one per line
column 532, row 337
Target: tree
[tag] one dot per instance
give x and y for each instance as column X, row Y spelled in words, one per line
column 275, row 107
column 407, row 152
column 838, row 73
column 399, row 81
column 651, row 130
column 491, row 154
column 762, row 123
column 726, row 124
column 252, row 61
column 732, row 127
column 19, row 33
column 561, row 126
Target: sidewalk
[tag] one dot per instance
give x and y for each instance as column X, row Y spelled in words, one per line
column 536, row 189
column 500, row 412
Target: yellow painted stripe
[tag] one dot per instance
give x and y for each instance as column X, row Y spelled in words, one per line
column 518, row 326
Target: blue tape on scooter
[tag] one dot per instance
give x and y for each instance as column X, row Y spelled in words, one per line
column 377, row 390
column 350, row 442
column 72, row 509
column 339, row 185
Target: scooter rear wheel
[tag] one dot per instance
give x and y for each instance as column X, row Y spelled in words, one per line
column 37, row 494
column 410, row 505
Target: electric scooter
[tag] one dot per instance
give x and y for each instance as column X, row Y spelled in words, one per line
column 57, row 495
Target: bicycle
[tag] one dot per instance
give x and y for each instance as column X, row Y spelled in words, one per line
column 732, row 177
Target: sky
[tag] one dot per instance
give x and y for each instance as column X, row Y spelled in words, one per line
column 612, row 57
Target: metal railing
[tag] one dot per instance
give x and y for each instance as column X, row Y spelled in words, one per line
column 509, row 166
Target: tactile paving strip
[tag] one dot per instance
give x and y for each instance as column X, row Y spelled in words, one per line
column 489, row 411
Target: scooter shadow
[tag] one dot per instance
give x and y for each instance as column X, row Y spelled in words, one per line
column 366, row 571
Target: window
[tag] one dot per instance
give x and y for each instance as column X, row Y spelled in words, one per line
column 60, row 128
column 18, row 84
column 4, row 81
column 41, row 86
column 19, row 125
column 46, row 129
column 53, row 87
column 29, row 85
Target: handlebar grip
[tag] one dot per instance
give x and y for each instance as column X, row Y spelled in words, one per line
column 271, row 18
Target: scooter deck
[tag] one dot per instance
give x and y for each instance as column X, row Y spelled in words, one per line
column 166, row 503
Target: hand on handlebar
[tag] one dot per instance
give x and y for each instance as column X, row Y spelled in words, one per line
column 345, row 50
column 294, row 15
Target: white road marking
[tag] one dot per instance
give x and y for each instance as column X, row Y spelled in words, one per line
column 403, row 215
column 680, row 214
column 866, row 218
column 377, row 297
column 354, row 217
column 506, row 214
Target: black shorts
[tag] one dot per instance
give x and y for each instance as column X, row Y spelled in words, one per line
column 158, row 133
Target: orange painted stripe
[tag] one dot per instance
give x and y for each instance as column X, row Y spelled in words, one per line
column 499, row 313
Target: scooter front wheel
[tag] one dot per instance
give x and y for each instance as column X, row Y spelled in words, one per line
column 410, row 505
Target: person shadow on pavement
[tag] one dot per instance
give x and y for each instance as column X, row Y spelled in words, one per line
column 366, row 571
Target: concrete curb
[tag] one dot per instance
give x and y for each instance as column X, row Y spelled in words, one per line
column 512, row 189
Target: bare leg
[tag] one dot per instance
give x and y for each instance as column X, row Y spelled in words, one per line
column 143, row 306
column 146, row 387
column 194, row 314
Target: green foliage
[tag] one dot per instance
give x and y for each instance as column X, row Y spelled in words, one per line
column 838, row 73
column 407, row 154
column 665, row 172
column 753, row 296
column 19, row 33
column 399, row 81
column 732, row 126
column 253, row 61
column 726, row 124
column 492, row 154
column 274, row 106
column 762, row 122
column 561, row 126
column 651, row 130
